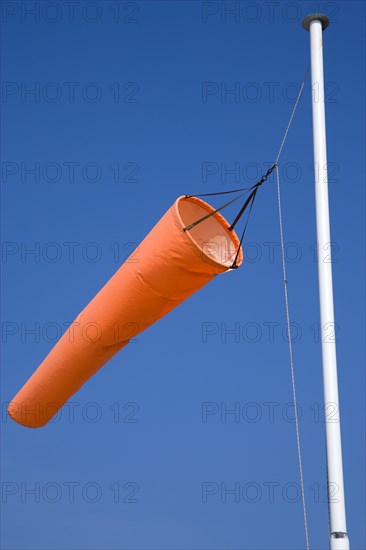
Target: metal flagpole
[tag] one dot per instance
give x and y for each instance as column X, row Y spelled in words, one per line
column 316, row 23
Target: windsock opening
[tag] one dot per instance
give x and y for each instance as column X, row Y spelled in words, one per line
column 212, row 237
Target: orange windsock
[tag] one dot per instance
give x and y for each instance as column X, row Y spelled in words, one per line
column 170, row 265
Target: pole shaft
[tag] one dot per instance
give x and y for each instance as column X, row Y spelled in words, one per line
column 339, row 539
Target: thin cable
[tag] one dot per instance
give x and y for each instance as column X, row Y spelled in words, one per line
column 292, row 114
column 291, row 359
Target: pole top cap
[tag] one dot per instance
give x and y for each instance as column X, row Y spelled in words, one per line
column 315, row 17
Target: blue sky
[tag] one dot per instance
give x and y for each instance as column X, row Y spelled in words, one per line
column 131, row 107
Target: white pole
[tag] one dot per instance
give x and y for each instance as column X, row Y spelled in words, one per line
column 315, row 23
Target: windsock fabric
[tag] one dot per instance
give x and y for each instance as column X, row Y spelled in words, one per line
column 169, row 265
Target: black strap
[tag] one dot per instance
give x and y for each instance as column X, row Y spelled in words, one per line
column 252, row 199
column 249, row 201
column 242, row 210
column 192, row 225
column 220, row 192
column 255, row 189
